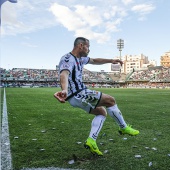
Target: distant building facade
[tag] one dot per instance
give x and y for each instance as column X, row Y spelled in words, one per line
column 136, row 62
column 165, row 59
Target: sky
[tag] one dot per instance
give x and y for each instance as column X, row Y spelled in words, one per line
column 36, row 34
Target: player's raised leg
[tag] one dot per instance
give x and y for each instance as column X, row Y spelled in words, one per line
column 114, row 112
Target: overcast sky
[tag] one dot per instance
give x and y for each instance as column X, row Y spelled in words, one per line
column 36, row 33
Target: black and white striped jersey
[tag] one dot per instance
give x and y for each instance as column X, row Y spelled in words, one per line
column 75, row 66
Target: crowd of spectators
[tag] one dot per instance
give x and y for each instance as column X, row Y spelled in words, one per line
column 151, row 74
column 44, row 74
column 95, row 76
column 25, row 73
column 23, row 77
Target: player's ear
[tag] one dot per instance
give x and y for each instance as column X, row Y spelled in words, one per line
column 81, row 46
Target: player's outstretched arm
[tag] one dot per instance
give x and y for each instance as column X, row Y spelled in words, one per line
column 99, row 61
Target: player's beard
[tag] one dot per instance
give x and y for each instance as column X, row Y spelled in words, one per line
column 84, row 54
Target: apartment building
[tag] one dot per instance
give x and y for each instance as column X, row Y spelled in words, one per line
column 135, row 62
column 165, row 59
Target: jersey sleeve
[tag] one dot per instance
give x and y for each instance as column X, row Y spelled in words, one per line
column 85, row 60
column 66, row 64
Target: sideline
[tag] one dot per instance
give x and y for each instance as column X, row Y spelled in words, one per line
column 6, row 161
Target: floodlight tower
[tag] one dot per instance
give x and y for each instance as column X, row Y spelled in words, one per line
column 120, row 46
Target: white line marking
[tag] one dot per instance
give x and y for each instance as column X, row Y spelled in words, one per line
column 6, row 161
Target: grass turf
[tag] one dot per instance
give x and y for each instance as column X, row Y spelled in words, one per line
column 48, row 131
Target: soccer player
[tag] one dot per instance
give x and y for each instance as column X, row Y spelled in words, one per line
column 78, row 95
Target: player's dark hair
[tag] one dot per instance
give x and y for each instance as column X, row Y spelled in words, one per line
column 80, row 40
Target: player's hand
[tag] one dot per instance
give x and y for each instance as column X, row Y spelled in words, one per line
column 61, row 96
column 116, row 61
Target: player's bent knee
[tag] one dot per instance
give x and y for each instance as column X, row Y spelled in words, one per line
column 99, row 111
column 107, row 100
column 112, row 100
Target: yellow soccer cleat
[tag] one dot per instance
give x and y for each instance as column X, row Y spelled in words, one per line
column 92, row 146
column 128, row 130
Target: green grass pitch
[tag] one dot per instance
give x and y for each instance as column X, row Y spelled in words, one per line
column 44, row 133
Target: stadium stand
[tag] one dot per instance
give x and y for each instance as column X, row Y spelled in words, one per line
column 153, row 74
column 151, row 77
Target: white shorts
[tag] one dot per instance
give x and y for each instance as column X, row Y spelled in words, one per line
column 86, row 99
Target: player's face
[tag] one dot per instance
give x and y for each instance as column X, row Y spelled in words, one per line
column 85, row 49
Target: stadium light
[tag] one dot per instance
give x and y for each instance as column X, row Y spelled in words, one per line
column 120, row 45
column 1, row 2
